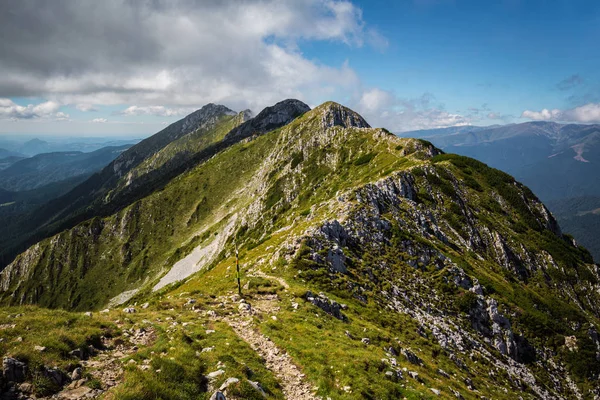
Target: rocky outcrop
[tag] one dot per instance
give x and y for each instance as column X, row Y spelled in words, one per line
column 270, row 118
column 337, row 115
column 389, row 216
column 326, row 304
column 13, row 370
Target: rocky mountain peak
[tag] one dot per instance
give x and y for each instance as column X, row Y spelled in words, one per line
column 334, row 114
column 271, row 118
column 206, row 113
column 246, row 114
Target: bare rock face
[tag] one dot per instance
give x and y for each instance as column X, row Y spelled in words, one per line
column 270, row 118
column 338, row 115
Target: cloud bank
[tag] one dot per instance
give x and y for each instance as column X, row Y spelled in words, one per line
column 48, row 109
column 588, row 113
column 177, row 53
column 383, row 108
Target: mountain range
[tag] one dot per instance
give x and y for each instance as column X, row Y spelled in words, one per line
column 558, row 162
column 26, row 146
column 370, row 266
column 45, row 168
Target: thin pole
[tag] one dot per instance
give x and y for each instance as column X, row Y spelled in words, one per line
column 237, row 267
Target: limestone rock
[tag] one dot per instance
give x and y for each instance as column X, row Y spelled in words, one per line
column 324, row 303
column 215, row 374
column 228, row 382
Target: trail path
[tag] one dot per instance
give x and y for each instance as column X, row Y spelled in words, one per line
column 293, row 382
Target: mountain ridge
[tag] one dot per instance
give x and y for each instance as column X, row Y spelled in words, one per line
column 111, row 189
column 382, row 266
column 557, row 161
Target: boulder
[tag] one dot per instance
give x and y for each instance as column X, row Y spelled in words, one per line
column 55, row 376
column 331, row 307
column 26, row 388
column 14, row 370
column 215, row 374
column 412, row 357
column 82, row 392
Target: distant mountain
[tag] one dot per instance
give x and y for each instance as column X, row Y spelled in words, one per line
column 35, row 146
column 4, row 153
column 558, row 162
column 45, row 168
column 26, row 147
column 10, row 160
column 580, row 217
column 14, row 204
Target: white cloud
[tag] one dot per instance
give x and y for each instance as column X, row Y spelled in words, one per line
column 61, row 116
column 178, row 54
column 86, row 107
column 375, row 99
column 160, row 111
column 11, row 110
column 588, row 113
column 544, row 115
column 382, row 108
column 99, row 120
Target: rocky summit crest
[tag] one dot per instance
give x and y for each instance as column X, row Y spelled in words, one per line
column 334, row 114
column 207, row 112
column 271, row 118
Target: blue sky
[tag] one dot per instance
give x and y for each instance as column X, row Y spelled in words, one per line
column 82, row 68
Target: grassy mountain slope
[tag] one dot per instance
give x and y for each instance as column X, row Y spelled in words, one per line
column 180, row 146
column 557, row 162
column 455, row 279
column 16, row 203
column 88, row 199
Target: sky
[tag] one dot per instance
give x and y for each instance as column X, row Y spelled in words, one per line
column 124, row 67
